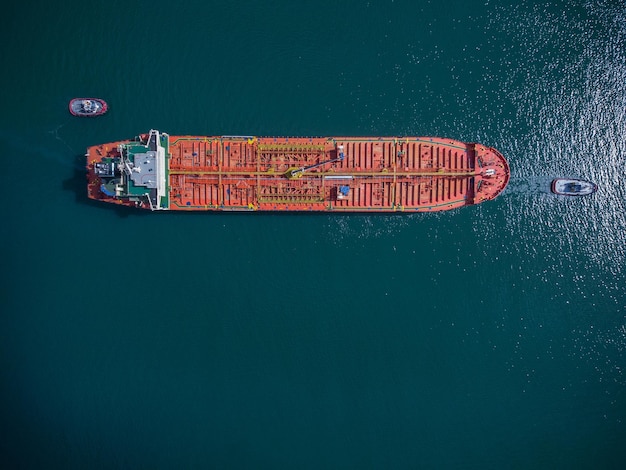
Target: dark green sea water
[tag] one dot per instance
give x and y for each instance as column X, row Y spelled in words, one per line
column 489, row 337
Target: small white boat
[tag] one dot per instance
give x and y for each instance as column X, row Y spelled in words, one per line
column 572, row 187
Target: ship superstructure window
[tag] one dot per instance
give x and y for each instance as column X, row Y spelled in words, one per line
column 104, row 169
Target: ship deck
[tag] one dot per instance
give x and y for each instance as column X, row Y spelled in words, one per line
column 383, row 174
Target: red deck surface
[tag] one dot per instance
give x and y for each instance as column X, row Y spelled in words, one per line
column 376, row 174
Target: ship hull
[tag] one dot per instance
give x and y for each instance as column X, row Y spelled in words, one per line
column 156, row 171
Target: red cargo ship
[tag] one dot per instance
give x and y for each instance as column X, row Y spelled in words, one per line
column 331, row 174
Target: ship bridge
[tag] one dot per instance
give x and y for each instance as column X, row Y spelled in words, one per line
column 143, row 170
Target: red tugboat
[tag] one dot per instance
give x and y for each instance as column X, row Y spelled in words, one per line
column 156, row 171
column 88, row 107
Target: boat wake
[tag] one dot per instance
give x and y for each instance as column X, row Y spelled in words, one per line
column 529, row 185
column 55, row 133
column 42, row 148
